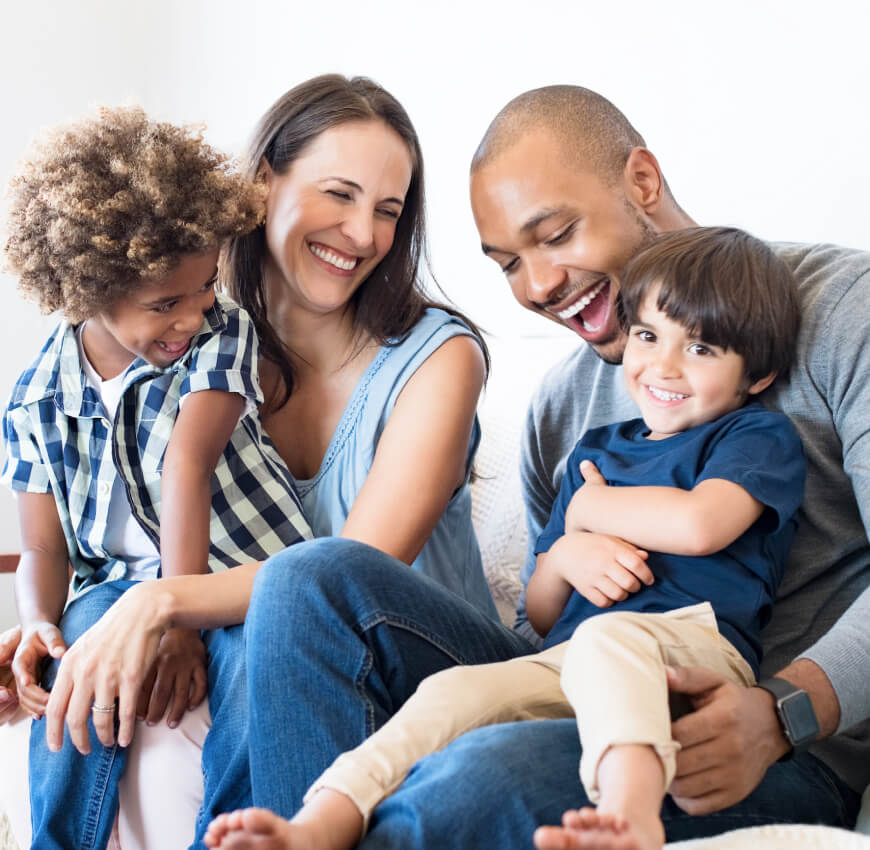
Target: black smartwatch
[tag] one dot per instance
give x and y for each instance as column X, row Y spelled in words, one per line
column 795, row 712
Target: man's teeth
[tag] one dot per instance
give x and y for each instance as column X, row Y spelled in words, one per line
column 664, row 395
column 580, row 303
column 332, row 259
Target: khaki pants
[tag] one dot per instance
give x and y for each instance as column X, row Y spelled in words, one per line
column 610, row 675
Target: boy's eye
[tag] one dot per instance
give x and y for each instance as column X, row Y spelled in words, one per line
column 644, row 335
column 700, row 349
column 165, row 307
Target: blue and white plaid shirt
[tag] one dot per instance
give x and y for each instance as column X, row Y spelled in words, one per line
column 59, row 440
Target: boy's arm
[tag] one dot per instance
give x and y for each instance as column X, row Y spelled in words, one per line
column 201, row 432
column 41, row 582
column 700, row 521
column 602, row 568
column 204, row 426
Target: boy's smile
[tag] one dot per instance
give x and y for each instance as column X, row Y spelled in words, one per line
column 676, row 379
column 157, row 322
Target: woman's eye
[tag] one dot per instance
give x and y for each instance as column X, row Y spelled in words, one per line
column 336, row 193
column 389, row 213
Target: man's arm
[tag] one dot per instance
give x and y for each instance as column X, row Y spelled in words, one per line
column 700, row 521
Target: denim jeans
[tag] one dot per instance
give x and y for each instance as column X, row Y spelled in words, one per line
column 74, row 798
column 339, row 635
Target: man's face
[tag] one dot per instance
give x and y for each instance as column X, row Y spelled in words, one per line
column 561, row 235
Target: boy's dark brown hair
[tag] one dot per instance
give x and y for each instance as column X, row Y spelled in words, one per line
column 104, row 203
column 724, row 285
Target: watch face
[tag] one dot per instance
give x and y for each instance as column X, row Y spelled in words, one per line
column 800, row 721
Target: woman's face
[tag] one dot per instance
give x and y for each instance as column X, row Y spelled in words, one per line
column 331, row 218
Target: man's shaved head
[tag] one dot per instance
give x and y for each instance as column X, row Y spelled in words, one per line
column 593, row 132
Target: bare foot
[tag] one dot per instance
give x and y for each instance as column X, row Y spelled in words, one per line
column 257, row 829
column 589, row 829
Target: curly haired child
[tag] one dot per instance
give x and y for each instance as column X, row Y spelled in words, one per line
column 133, row 441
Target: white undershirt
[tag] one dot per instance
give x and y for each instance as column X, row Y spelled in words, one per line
column 125, row 539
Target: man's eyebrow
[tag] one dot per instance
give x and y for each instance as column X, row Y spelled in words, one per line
column 528, row 226
column 350, row 184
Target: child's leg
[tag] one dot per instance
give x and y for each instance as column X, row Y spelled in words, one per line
column 445, row 706
column 74, row 798
column 614, row 676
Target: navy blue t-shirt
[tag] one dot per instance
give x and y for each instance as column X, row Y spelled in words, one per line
column 756, row 448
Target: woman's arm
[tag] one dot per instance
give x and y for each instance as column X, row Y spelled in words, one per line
column 421, row 456
column 112, row 658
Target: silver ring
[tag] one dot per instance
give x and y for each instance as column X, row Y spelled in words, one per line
column 103, row 709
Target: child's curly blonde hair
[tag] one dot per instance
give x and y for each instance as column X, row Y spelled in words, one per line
column 113, row 199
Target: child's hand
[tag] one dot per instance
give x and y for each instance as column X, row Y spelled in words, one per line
column 601, row 568
column 574, row 520
column 9, row 641
column 178, row 678
column 39, row 640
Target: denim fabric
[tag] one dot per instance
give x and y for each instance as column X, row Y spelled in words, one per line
column 494, row 786
column 338, row 636
column 74, row 798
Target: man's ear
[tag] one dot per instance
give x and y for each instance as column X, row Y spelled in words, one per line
column 644, row 182
column 761, row 384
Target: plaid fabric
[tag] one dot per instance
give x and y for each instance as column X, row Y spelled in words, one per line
column 59, row 440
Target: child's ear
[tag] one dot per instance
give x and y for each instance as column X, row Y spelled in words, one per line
column 264, row 173
column 761, row 384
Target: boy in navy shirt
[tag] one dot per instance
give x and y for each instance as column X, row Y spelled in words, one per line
column 678, row 522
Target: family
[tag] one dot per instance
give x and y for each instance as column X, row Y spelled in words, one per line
column 263, row 493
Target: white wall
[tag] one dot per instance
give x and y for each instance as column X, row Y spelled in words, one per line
column 757, row 109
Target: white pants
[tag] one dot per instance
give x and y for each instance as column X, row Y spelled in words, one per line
column 610, row 675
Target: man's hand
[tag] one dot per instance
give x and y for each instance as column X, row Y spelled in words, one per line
column 178, row 678
column 601, row 568
column 9, row 641
column 727, row 742
column 39, row 640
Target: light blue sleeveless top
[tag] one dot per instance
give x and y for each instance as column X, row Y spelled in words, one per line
column 451, row 555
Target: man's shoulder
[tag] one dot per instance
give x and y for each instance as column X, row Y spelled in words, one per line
column 824, row 272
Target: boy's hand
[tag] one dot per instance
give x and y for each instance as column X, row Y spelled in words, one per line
column 574, row 513
column 9, row 641
column 601, row 568
column 38, row 640
column 178, row 678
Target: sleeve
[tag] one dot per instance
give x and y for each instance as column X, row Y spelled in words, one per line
column 762, row 453
column 25, row 468
column 555, row 527
column 844, row 650
column 539, row 494
column 227, row 360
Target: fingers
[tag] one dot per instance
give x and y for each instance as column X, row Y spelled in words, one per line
column 52, row 639
column 9, row 641
column 144, row 697
column 199, row 691
column 610, row 589
column 180, row 698
column 590, row 473
column 695, row 681
column 33, row 700
column 161, row 693
column 634, row 563
column 55, row 710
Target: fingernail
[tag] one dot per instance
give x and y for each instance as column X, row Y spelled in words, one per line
column 150, row 723
column 173, row 724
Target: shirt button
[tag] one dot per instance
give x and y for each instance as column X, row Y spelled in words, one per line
column 104, row 488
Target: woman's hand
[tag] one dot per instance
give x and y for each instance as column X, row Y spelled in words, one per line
column 105, row 668
column 9, row 641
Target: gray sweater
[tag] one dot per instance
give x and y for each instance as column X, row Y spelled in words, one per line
column 823, row 608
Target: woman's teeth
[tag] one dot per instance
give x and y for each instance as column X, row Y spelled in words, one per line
column 580, row 303
column 333, row 259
